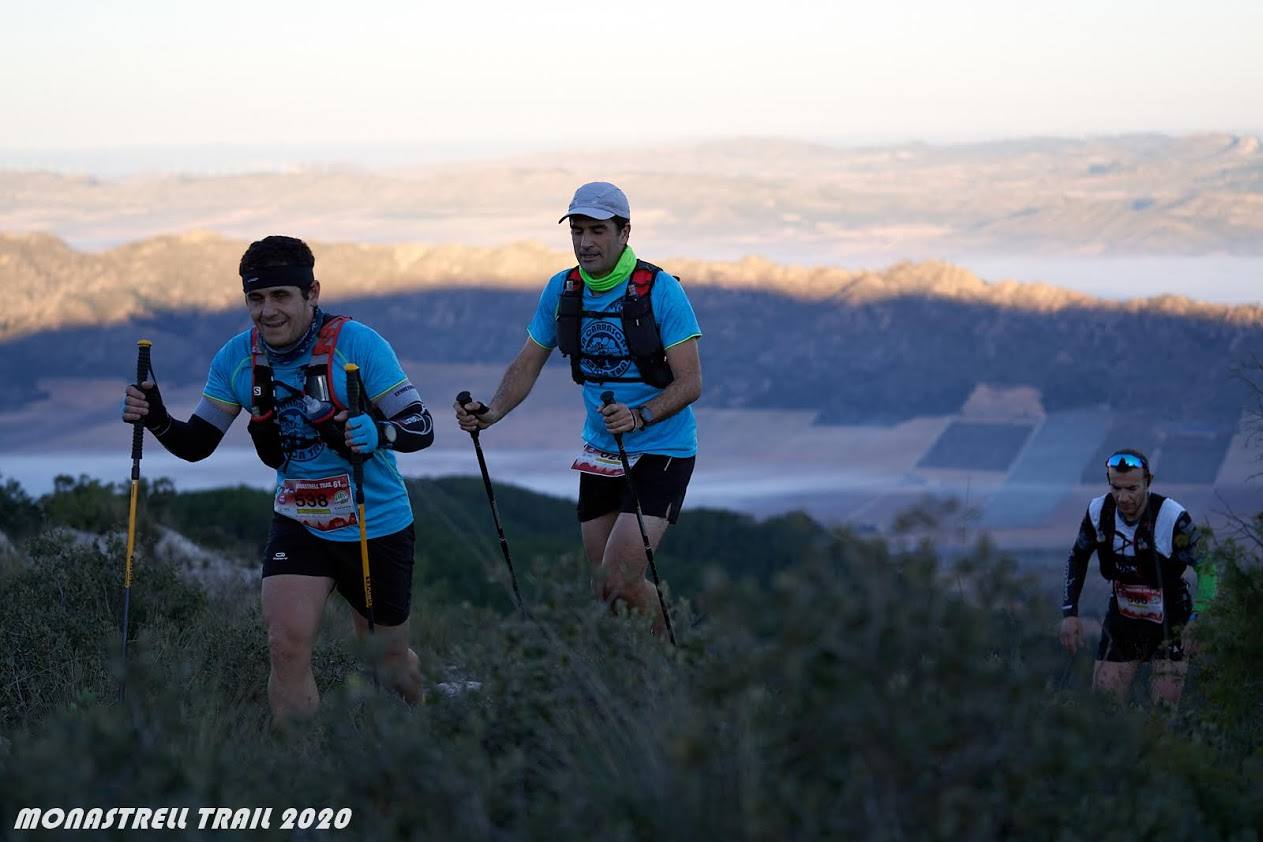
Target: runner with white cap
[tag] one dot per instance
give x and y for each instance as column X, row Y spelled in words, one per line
column 627, row 327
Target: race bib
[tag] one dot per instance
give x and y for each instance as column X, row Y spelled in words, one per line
column 322, row 504
column 602, row 464
column 1139, row 602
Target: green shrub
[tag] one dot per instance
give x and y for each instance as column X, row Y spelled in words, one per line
column 61, row 633
column 231, row 520
column 867, row 693
column 86, row 504
column 20, row 516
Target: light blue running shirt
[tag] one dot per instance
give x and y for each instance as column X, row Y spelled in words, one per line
column 386, row 503
column 673, row 436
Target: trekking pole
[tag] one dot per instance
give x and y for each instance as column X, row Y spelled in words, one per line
column 607, row 398
column 138, row 442
column 357, row 468
column 1167, row 641
column 462, row 399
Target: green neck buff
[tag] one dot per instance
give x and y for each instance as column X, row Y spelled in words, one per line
column 621, row 272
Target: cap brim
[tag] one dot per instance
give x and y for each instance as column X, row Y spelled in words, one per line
column 594, row 213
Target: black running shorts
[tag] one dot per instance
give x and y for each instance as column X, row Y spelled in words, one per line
column 292, row 548
column 661, row 482
column 1125, row 639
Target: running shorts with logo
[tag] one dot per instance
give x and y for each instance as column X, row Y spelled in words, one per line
column 294, row 549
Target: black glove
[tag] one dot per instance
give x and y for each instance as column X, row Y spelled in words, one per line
column 158, row 419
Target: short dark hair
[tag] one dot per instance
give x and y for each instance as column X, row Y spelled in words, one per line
column 276, row 251
column 620, row 222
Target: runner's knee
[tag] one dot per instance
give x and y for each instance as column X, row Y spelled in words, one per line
column 288, row 648
column 607, row 589
column 622, row 578
column 641, row 594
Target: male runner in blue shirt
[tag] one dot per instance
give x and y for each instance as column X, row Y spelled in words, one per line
column 627, row 327
column 288, row 372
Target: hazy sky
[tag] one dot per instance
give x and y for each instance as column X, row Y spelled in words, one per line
column 498, row 73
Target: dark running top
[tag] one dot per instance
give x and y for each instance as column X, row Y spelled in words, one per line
column 1131, row 553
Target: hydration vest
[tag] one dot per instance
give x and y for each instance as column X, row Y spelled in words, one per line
column 1154, row 564
column 318, row 379
column 320, row 401
column 640, row 330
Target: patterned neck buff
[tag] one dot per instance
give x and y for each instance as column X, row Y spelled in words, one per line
column 292, row 352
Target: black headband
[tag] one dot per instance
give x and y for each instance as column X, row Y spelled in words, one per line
column 278, row 276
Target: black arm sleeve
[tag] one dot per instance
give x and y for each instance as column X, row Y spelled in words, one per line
column 1185, row 542
column 191, row 440
column 1077, row 567
column 414, row 428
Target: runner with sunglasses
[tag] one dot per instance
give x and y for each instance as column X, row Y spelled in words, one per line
column 1144, row 542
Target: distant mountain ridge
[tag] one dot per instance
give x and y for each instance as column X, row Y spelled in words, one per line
column 48, row 285
column 855, row 348
column 786, row 200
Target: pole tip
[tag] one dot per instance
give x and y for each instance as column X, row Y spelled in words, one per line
column 349, row 367
column 464, row 398
column 143, row 343
column 607, row 397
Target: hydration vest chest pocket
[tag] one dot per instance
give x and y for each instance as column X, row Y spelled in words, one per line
column 316, row 401
column 644, row 343
column 569, row 315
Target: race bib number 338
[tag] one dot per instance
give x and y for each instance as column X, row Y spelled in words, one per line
column 1139, row 602
column 324, row 504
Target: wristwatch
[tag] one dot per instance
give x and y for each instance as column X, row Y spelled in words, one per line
column 646, row 415
column 389, row 432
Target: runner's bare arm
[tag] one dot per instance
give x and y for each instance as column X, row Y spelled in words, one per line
column 686, row 368
column 518, row 380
